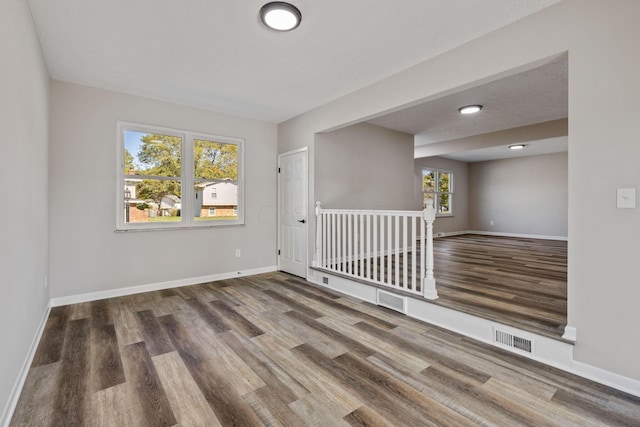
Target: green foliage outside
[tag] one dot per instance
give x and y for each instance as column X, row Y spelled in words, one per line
column 437, row 187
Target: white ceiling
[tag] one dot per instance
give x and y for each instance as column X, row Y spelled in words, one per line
column 534, row 148
column 215, row 54
column 534, row 96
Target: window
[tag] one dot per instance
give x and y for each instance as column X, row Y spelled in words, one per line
column 437, row 187
column 167, row 177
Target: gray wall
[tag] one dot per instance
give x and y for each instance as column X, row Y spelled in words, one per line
column 24, row 101
column 460, row 219
column 603, row 284
column 87, row 255
column 524, row 195
column 364, row 167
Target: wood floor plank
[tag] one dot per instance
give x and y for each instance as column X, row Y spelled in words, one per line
column 271, row 410
column 35, row 406
column 151, row 404
column 106, row 366
column 274, row 376
column 333, row 396
column 125, row 322
column 366, row 417
column 236, row 320
column 71, row 401
column 155, row 338
column 332, row 307
column 113, row 407
column 50, row 348
column 388, row 405
column 187, row 402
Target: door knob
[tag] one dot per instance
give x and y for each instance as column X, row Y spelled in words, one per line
column 302, row 221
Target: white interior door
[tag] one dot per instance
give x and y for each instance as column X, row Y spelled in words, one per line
column 292, row 212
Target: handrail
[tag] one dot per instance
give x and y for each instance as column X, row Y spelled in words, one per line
column 393, row 248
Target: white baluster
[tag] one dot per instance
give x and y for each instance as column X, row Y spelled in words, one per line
column 318, row 262
column 405, row 253
column 429, row 281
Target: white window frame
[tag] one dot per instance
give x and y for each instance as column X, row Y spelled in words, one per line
column 187, row 179
column 436, row 193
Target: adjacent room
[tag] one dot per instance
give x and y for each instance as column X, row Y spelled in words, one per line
column 178, row 176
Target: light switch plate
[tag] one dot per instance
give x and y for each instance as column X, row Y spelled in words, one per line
column 626, row 198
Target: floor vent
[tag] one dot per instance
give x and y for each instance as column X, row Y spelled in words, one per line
column 513, row 341
column 392, row 301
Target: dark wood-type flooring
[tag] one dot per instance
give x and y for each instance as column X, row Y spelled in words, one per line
column 519, row 282
column 275, row 350
column 515, row 281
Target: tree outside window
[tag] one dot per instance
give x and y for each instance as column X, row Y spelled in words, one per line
column 165, row 171
column 437, row 188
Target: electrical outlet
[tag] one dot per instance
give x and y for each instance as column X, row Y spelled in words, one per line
column 491, row 222
column 626, row 198
column 237, row 253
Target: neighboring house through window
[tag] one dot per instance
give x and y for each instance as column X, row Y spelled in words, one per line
column 437, row 188
column 163, row 174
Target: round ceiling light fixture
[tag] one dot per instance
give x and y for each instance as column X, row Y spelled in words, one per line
column 470, row 109
column 280, row 16
column 516, row 147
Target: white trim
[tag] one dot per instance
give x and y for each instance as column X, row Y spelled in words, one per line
column 570, row 333
column 524, row 236
column 449, row 233
column 111, row 293
column 608, row 378
column 12, row 402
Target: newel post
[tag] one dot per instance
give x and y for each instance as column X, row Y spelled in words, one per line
column 317, row 256
column 429, row 281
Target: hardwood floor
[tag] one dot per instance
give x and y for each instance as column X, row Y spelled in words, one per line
column 516, row 281
column 274, row 350
column 519, row 282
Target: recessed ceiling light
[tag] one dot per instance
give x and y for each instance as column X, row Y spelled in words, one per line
column 470, row 109
column 280, row 16
column 516, row 147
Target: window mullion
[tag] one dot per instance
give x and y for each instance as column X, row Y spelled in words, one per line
column 188, row 184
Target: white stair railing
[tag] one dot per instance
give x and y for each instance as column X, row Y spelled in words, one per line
column 390, row 248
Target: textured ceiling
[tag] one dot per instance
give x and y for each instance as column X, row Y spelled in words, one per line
column 534, row 148
column 534, row 96
column 537, row 95
column 216, row 55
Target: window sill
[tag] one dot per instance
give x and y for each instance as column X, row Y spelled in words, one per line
column 444, row 215
column 185, row 227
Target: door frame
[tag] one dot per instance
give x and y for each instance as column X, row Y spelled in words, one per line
column 304, row 150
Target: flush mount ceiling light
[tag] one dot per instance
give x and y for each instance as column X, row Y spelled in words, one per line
column 516, row 147
column 470, row 109
column 280, row 16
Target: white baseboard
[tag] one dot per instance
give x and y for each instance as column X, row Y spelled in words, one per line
column 449, row 233
column 608, row 378
column 523, row 236
column 10, row 407
column 111, row 293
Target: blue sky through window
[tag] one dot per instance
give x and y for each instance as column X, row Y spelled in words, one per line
column 132, row 143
